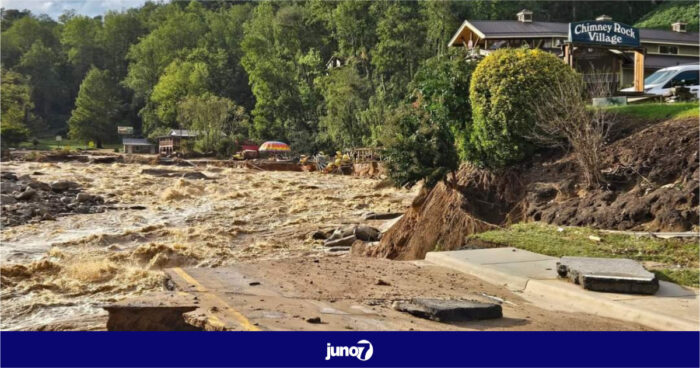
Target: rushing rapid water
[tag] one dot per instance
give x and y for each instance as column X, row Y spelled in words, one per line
column 58, row 274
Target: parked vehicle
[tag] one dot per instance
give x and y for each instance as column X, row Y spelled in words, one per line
column 662, row 80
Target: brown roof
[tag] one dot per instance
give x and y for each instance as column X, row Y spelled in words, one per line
column 664, row 61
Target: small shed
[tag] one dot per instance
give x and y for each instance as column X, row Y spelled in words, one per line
column 138, row 145
column 175, row 141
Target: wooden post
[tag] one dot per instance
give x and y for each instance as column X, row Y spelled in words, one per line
column 638, row 71
column 569, row 54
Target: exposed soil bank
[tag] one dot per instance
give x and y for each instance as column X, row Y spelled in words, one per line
column 652, row 185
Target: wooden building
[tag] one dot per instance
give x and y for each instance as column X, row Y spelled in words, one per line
column 138, row 145
column 177, row 141
column 660, row 48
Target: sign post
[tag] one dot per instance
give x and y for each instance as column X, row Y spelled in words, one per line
column 125, row 130
column 611, row 35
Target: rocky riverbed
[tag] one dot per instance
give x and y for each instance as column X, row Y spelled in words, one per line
column 26, row 199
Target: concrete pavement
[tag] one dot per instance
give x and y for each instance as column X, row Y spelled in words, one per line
column 534, row 276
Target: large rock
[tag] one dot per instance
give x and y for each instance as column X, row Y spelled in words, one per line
column 87, row 198
column 615, row 275
column 39, row 185
column 6, row 199
column 8, row 176
column 342, row 232
column 449, row 310
column 28, row 194
column 63, row 185
column 7, row 187
column 367, row 233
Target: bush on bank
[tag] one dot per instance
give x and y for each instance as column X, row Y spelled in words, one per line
column 505, row 87
column 441, row 88
column 418, row 148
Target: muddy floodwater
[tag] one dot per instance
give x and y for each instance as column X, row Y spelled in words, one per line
column 59, row 273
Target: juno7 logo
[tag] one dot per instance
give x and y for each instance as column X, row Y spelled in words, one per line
column 351, row 351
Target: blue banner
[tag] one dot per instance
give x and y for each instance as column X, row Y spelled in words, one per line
column 604, row 33
column 323, row 349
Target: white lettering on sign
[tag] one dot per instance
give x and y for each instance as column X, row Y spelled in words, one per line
column 605, row 33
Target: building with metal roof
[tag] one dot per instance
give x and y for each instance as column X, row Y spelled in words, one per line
column 138, row 145
column 663, row 48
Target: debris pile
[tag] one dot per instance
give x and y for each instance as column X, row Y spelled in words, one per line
column 343, row 238
column 27, row 200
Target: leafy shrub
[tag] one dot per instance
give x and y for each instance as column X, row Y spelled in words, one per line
column 418, row 148
column 13, row 134
column 441, row 87
column 504, row 89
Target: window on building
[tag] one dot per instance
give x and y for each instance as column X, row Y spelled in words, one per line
column 686, row 78
column 673, row 50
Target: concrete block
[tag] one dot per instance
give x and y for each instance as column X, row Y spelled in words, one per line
column 449, row 310
column 615, row 275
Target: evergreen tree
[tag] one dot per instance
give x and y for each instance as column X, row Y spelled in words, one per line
column 97, row 109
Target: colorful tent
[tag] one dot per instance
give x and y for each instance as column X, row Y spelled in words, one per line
column 274, row 146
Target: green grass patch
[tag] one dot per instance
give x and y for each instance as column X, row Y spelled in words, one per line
column 52, row 144
column 677, row 258
column 659, row 111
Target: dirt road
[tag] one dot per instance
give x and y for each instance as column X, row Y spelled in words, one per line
column 58, row 274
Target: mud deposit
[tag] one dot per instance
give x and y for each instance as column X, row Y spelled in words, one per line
column 56, row 274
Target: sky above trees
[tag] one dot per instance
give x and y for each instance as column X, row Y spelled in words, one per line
column 54, row 8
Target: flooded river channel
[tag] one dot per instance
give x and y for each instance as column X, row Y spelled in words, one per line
column 58, row 273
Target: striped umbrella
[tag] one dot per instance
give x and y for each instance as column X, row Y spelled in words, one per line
column 274, row 146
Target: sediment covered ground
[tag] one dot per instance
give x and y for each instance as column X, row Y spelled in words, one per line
column 58, row 272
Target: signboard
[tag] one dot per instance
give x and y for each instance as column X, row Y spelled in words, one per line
column 604, row 33
column 123, row 130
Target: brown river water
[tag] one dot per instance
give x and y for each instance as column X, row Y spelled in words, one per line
column 65, row 270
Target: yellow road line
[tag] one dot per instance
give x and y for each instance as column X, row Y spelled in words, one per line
column 240, row 318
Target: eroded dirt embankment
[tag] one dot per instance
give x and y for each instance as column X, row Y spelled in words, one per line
column 651, row 184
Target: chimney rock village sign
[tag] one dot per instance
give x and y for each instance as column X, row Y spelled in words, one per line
column 604, row 33
column 610, row 35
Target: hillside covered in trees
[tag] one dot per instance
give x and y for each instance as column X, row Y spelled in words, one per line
column 318, row 74
column 671, row 12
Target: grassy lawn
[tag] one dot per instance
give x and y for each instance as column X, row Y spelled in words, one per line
column 52, row 144
column 659, row 111
column 677, row 259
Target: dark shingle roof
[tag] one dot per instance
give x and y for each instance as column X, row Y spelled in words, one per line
column 510, row 28
column 665, row 61
column 661, row 35
column 494, row 28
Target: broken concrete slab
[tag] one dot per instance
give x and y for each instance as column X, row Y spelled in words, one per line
column 380, row 216
column 342, row 242
column 155, row 312
column 615, row 275
column 449, row 310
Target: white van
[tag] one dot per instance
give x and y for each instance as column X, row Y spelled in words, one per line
column 662, row 80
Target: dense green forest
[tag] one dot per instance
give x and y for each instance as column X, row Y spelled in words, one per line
column 318, row 74
column 671, row 12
